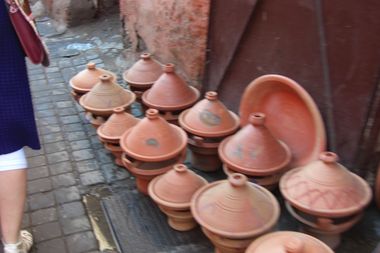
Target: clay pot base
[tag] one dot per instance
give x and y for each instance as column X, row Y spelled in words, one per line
column 95, row 121
column 116, row 152
column 179, row 220
column 76, row 95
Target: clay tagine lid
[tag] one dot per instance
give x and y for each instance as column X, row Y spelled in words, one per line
column 106, row 96
column 170, row 92
column 209, row 118
column 235, row 208
column 153, row 139
column 253, row 150
column 288, row 242
column 176, row 187
column 88, row 78
column 325, row 188
column 116, row 125
column 144, row 72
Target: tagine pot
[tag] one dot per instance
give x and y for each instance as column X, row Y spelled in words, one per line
column 173, row 191
column 207, row 123
column 170, row 95
column 86, row 79
column 255, row 152
column 141, row 76
column 105, row 96
column 288, row 242
column 95, row 121
column 152, row 147
column 234, row 212
column 325, row 197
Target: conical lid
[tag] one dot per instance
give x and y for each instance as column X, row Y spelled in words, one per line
column 235, row 208
column 254, row 150
column 106, row 96
column 117, row 124
column 209, row 118
column 170, row 92
column 144, row 72
column 288, row 242
column 153, row 139
column 325, row 188
column 176, row 187
column 88, row 78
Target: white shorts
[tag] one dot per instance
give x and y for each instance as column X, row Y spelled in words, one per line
column 13, row 161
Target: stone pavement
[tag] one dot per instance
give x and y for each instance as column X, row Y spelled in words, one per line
column 72, row 163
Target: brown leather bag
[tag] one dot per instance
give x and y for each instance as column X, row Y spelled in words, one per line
column 30, row 40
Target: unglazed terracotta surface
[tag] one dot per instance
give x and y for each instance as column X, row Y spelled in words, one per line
column 153, row 139
column 170, row 92
column 293, row 116
column 253, row 150
column 106, row 96
column 325, row 188
column 86, row 79
column 143, row 73
column 119, row 122
column 288, row 242
column 209, row 118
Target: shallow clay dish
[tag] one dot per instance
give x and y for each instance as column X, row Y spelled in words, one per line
column 293, row 116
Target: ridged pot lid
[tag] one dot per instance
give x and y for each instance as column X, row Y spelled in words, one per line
column 253, row 150
column 325, row 188
column 170, row 92
column 119, row 122
column 153, row 139
column 209, row 118
column 176, row 187
column 88, row 78
column 144, row 72
column 288, row 242
column 106, row 96
column 235, row 208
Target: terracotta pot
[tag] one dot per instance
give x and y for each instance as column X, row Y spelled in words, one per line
column 153, row 139
column 288, row 242
column 207, row 122
column 170, row 94
column 293, row 116
column 86, row 79
column 325, row 197
column 142, row 74
column 254, row 151
column 233, row 212
column 76, row 95
column 116, row 151
column 95, row 121
column 173, row 191
column 106, row 96
column 146, row 171
column 119, row 122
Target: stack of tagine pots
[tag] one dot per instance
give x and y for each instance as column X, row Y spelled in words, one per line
column 325, row 197
column 152, row 147
column 103, row 98
column 141, row 76
column 288, row 242
column 207, row 123
column 234, row 212
column 111, row 131
column 255, row 152
column 83, row 82
column 170, row 95
column 173, row 192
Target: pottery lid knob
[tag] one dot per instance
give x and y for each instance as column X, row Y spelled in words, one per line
column 328, row 157
column 105, row 77
column 151, row 113
column 257, row 118
column 118, row 110
column 237, row 179
column 145, row 56
column 168, row 68
column 91, row 65
column 294, row 245
column 211, row 95
column 180, row 168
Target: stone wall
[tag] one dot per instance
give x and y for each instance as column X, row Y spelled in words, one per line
column 173, row 31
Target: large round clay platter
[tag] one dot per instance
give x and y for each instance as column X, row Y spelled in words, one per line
column 291, row 115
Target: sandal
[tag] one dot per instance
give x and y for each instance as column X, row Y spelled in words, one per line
column 23, row 246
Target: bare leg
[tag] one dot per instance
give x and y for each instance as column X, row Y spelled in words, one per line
column 12, row 200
